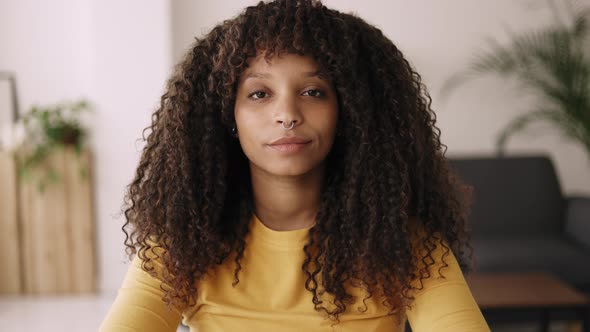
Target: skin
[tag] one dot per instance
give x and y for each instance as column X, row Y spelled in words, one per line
column 286, row 186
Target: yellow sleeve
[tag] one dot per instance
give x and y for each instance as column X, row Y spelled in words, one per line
column 445, row 304
column 139, row 306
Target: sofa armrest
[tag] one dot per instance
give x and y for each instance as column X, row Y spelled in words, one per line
column 577, row 219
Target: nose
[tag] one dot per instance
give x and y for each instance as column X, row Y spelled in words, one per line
column 288, row 111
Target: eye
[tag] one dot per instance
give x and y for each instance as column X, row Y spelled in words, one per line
column 315, row 93
column 259, row 94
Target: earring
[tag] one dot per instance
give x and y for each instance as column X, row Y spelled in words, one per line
column 234, row 131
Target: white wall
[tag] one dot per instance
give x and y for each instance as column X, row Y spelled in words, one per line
column 116, row 53
column 133, row 61
column 48, row 48
column 119, row 54
column 438, row 38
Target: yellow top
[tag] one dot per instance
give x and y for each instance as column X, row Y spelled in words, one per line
column 271, row 296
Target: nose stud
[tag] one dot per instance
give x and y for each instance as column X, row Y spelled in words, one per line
column 287, row 128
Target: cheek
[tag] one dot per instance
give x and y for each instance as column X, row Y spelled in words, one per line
column 331, row 127
column 244, row 121
column 327, row 121
column 247, row 114
column 247, row 135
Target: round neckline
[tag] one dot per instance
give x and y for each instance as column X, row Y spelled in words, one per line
column 295, row 238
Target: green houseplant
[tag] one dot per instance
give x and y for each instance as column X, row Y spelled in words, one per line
column 47, row 129
column 552, row 63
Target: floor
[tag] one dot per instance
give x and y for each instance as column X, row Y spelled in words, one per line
column 85, row 313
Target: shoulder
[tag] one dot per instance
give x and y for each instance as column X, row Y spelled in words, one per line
column 435, row 260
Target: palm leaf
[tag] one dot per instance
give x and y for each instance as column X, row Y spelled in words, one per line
column 568, row 128
column 554, row 65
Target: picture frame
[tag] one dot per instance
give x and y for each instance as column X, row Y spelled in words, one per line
column 11, row 282
column 8, row 107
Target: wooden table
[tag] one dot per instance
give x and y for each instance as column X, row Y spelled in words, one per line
column 519, row 296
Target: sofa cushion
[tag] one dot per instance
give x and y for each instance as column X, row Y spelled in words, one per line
column 577, row 225
column 512, row 195
column 553, row 253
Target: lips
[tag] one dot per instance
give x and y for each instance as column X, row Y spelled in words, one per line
column 290, row 144
column 290, row 140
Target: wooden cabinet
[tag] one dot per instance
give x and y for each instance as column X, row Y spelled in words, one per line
column 56, row 230
column 11, row 272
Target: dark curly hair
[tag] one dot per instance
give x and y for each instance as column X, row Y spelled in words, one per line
column 191, row 195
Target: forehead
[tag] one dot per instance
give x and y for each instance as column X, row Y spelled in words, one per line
column 299, row 65
column 282, row 60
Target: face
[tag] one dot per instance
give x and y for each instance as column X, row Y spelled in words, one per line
column 287, row 91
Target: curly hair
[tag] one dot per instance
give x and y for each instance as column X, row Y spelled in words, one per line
column 191, row 195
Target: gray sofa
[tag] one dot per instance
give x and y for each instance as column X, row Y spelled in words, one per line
column 522, row 222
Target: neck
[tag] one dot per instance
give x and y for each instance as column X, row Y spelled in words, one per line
column 285, row 203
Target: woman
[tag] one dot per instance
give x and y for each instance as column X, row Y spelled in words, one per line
column 294, row 180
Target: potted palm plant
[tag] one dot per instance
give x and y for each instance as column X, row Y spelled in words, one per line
column 55, row 196
column 554, row 64
column 46, row 130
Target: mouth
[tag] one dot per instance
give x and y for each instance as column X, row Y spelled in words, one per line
column 289, row 147
column 290, row 140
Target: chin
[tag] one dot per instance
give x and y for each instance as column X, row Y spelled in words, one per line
column 287, row 167
column 290, row 170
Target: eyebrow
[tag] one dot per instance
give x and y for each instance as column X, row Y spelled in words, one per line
column 318, row 73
